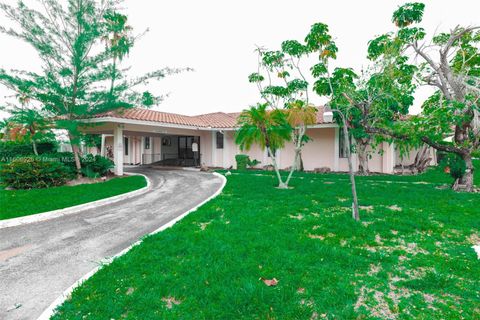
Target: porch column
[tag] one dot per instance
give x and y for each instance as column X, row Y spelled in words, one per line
column 118, row 149
column 102, row 148
column 225, row 150
column 214, row 148
column 142, row 148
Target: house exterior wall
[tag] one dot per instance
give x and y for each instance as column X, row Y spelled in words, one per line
column 321, row 151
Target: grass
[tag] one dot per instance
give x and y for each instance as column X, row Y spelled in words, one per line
column 19, row 203
column 409, row 257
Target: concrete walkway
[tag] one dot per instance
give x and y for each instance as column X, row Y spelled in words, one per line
column 40, row 260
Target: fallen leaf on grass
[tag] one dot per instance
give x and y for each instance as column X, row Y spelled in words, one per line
column 316, row 236
column 298, row 217
column 367, row 208
column 395, row 208
column 301, row 290
column 204, row 225
column 130, row 291
column 170, row 301
column 270, row 282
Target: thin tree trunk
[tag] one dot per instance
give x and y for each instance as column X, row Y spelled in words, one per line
column 76, row 154
column 294, row 165
column 34, row 145
column 355, row 214
column 281, row 184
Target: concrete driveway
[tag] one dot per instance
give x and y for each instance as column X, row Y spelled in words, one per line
column 41, row 260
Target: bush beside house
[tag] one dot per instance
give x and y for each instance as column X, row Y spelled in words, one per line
column 33, row 173
column 22, row 170
column 243, row 161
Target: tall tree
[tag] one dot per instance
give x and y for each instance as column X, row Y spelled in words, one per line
column 80, row 76
column 450, row 64
column 376, row 97
column 283, row 84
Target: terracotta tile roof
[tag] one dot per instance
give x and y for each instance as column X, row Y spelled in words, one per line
column 154, row 116
column 209, row 120
column 219, row 119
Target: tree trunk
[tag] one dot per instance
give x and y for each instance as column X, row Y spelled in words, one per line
column 294, row 165
column 76, row 153
column 34, row 145
column 466, row 183
column 300, row 163
column 281, row 184
column 362, row 145
column 422, row 159
column 355, row 213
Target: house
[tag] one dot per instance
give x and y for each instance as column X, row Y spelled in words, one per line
column 141, row 136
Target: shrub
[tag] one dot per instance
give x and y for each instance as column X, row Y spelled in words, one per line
column 243, row 161
column 10, row 150
column 92, row 166
column 33, row 173
column 95, row 166
column 66, row 158
column 452, row 163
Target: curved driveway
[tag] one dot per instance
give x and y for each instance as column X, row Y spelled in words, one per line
column 39, row 261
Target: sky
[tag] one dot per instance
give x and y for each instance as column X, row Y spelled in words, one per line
column 217, row 38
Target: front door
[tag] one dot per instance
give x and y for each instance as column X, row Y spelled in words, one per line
column 186, row 153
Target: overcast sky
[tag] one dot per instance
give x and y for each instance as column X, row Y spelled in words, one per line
column 217, row 38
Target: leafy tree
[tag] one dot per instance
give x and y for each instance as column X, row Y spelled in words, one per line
column 373, row 98
column 31, row 125
column 450, row 64
column 283, row 83
column 267, row 128
column 80, row 46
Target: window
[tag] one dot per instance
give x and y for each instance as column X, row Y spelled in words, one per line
column 342, row 152
column 125, row 145
column 147, row 143
column 219, row 140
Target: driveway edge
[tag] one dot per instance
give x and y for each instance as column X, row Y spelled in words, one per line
column 50, row 311
column 37, row 217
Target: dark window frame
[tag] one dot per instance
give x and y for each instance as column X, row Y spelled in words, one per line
column 219, row 140
column 147, row 143
column 125, row 145
column 342, row 151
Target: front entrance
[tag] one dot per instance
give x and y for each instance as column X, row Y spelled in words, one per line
column 189, row 150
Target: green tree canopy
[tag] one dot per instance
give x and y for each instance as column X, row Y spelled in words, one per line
column 80, row 45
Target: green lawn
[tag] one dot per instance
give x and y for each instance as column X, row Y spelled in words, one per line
column 19, row 203
column 409, row 257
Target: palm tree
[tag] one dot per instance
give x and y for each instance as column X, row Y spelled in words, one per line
column 299, row 115
column 269, row 129
column 119, row 42
column 30, row 124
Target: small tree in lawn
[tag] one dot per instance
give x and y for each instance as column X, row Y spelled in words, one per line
column 267, row 128
column 283, row 84
column 80, row 46
column 450, row 64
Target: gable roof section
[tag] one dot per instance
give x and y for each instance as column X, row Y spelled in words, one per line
column 220, row 120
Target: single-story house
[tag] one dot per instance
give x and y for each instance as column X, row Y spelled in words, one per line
column 141, row 136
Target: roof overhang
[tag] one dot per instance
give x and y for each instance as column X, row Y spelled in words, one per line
column 178, row 126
